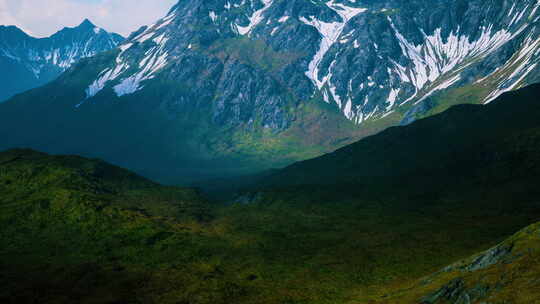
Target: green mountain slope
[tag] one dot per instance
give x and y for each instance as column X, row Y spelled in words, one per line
column 79, row 230
column 507, row 273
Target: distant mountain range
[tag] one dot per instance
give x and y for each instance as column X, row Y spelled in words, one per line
column 229, row 87
column 27, row 62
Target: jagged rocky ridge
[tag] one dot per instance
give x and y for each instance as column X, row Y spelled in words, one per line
column 367, row 58
column 32, row 62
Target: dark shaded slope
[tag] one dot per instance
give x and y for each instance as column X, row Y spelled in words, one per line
column 466, row 143
column 17, row 80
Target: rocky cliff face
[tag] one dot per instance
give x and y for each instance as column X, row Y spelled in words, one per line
column 366, row 58
column 286, row 79
column 32, row 62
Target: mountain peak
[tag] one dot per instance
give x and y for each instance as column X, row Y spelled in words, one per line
column 85, row 26
column 31, row 57
column 86, row 23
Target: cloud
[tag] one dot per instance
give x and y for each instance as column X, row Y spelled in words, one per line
column 44, row 17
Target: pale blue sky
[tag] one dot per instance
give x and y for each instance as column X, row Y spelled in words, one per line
column 44, row 17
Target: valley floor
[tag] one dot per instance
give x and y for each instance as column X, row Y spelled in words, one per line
column 76, row 230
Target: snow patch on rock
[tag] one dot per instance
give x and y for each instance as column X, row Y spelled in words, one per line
column 255, row 19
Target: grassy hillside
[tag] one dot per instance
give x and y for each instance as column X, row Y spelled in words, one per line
column 78, row 230
column 74, row 230
column 362, row 225
column 507, row 273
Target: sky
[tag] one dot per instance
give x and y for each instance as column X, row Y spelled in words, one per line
column 42, row 18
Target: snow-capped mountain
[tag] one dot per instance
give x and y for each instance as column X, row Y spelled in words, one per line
column 27, row 62
column 274, row 81
column 367, row 58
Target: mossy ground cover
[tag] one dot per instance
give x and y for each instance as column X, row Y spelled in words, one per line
column 77, row 230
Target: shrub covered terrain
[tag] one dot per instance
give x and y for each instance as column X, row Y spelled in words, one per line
column 344, row 228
